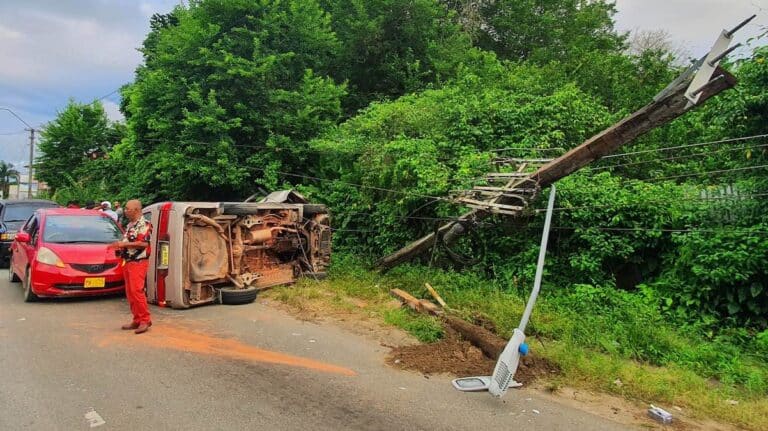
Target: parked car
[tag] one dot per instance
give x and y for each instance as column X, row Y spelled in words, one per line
column 13, row 214
column 63, row 252
column 226, row 252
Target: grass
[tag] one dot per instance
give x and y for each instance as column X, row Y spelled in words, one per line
column 595, row 335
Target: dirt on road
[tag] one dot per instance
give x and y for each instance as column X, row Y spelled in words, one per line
column 460, row 358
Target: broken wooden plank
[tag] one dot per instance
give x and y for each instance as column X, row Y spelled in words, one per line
column 419, row 305
column 435, row 295
column 502, row 189
column 494, row 176
column 490, row 343
column 486, row 204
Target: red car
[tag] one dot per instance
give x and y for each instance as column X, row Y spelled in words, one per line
column 63, row 252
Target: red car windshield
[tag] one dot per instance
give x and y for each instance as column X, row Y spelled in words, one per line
column 65, row 229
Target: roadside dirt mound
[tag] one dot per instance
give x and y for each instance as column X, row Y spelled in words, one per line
column 460, row 358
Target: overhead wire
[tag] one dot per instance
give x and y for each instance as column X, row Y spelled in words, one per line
column 13, row 133
column 448, row 219
column 685, row 156
column 717, row 172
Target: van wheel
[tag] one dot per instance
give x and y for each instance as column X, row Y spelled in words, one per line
column 29, row 295
column 12, row 277
column 240, row 208
column 235, row 296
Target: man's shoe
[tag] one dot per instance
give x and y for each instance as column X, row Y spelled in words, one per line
column 142, row 328
column 129, row 326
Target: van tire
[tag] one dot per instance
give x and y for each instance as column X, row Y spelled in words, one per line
column 314, row 209
column 240, row 209
column 235, row 296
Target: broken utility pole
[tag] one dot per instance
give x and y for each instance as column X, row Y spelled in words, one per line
column 682, row 95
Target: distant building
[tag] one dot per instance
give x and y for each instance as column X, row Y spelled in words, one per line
column 20, row 192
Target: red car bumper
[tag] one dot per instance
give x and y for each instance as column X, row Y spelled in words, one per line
column 52, row 281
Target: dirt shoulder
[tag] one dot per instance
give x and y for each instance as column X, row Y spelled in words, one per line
column 456, row 357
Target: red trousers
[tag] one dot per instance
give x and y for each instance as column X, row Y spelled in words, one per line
column 135, row 273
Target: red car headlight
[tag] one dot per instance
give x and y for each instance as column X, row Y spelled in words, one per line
column 48, row 257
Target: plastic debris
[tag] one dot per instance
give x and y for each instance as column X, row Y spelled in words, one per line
column 94, row 419
column 535, row 411
column 660, row 414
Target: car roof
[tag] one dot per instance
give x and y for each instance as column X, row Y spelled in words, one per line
column 71, row 211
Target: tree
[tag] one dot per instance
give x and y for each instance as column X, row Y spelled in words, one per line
column 394, row 47
column 228, row 93
column 659, row 41
column 6, row 173
column 540, row 30
column 79, row 133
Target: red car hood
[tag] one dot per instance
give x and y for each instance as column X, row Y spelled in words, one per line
column 83, row 253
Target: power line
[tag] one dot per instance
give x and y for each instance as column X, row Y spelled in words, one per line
column 699, row 144
column 13, row 133
column 664, row 201
column 652, row 150
column 650, row 229
column 106, row 95
column 686, row 156
column 722, row 171
column 290, row 174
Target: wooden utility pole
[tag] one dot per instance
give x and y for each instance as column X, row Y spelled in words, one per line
column 667, row 106
column 31, row 160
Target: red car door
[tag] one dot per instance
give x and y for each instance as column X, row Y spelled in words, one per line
column 24, row 252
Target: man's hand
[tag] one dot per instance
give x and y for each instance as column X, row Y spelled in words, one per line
column 116, row 244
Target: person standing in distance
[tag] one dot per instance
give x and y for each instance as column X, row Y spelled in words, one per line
column 106, row 208
column 135, row 251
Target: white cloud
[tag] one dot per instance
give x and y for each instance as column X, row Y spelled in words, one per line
column 693, row 23
column 53, row 50
column 8, row 34
column 113, row 111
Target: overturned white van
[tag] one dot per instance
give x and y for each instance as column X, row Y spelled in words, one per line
column 206, row 252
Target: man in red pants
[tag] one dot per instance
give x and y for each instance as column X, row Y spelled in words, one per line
column 135, row 251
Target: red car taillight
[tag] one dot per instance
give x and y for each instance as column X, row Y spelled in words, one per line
column 164, row 239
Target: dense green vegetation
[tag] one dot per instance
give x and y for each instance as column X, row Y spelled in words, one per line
column 382, row 109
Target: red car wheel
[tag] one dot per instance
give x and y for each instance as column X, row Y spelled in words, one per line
column 12, row 277
column 29, row 295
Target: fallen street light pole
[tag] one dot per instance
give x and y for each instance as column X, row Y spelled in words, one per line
column 506, row 366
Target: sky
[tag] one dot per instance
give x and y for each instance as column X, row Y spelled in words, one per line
column 54, row 50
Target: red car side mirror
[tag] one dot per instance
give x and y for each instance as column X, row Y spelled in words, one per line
column 22, row 237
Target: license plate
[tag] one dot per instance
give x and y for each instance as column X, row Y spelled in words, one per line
column 93, row 282
column 164, row 254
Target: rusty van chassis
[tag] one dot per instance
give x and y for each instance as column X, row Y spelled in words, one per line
column 231, row 250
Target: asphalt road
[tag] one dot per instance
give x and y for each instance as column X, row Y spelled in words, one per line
column 66, row 365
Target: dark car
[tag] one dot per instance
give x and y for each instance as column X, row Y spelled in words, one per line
column 13, row 214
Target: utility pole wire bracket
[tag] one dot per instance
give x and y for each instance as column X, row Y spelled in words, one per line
column 707, row 67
